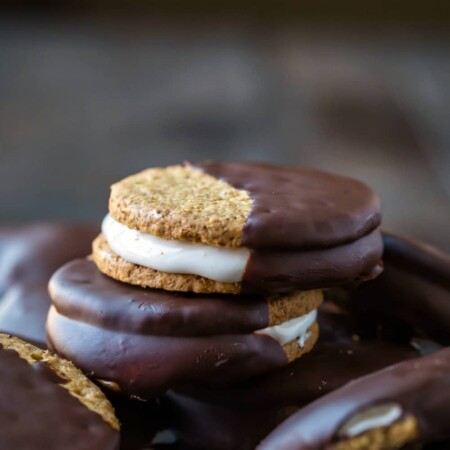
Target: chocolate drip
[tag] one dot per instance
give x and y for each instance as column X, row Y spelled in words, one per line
column 299, row 208
column 37, row 413
column 28, row 257
column 415, row 287
column 420, row 386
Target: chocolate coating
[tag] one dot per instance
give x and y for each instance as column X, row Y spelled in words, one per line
column 148, row 340
column 420, row 386
column 307, row 229
column 240, row 416
column 29, row 254
column 297, row 207
column 415, row 287
column 278, row 271
column 37, row 413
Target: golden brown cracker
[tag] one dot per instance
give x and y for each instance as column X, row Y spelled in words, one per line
column 76, row 383
column 183, row 203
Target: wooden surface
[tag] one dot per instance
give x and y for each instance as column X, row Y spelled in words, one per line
column 86, row 101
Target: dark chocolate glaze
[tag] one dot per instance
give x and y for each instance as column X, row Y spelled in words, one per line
column 147, row 365
column 297, row 207
column 415, row 287
column 36, row 413
column 80, row 291
column 239, row 417
column 278, row 271
column 29, row 254
column 420, row 386
column 306, row 229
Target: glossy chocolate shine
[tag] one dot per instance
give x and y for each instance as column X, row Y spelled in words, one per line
column 148, row 340
column 420, row 386
column 299, row 208
column 37, row 413
column 240, row 416
column 29, row 254
column 81, row 292
column 306, row 229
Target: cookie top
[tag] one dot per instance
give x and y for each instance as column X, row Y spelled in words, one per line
column 29, row 254
column 146, row 340
column 255, row 205
column 401, row 404
column 46, row 402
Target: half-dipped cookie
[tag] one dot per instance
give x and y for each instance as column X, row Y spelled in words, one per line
column 143, row 341
column 239, row 228
column 405, row 404
column 47, row 403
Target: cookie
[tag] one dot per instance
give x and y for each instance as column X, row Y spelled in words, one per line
column 403, row 404
column 29, row 254
column 46, row 402
column 240, row 416
column 239, row 228
column 144, row 341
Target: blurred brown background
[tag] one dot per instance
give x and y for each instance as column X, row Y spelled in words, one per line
column 89, row 94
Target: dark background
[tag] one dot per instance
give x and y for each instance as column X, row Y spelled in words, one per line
column 91, row 94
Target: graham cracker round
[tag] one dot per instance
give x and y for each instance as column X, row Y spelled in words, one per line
column 293, row 350
column 76, row 383
column 183, row 203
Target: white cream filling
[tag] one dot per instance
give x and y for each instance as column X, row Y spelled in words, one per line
column 292, row 329
column 374, row 417
column 221, row 264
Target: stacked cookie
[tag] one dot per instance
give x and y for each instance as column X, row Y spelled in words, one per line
column 214, row 273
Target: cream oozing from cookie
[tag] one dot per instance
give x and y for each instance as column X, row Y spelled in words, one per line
column 297, row 328
column 375, row 417
column 225, row 265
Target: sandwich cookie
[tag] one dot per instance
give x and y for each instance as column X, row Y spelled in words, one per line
column 239, row 228
column 29, row 254
column 47, row 403
column 405, row 404
column 144, row 341
column 240, row 416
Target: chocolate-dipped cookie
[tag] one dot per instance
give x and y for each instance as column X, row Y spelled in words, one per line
column 415, row 287
column 47, row 403
column 403, row 404
column 239, row 417
column 147, row 340
column 29, row 254
column 239, row 228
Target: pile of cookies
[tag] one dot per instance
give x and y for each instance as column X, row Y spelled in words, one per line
column 221, row 299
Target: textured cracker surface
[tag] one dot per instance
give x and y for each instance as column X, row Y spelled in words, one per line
column 294, row 304
column 294, row 351
column 77, row 384
column 394, row 437
column 180, row 202
column 118, row 268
